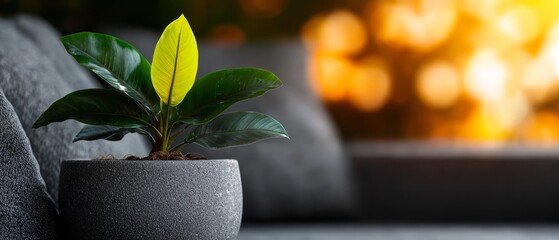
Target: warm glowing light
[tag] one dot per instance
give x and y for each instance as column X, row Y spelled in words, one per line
column 438, row 84
column 550, row 51
column 420, row 24
column 341, row 32
column 542, row 127
column 499, row 80
column 228, row 34
column 331, row 75
column 520, row 24
column 509, row 112
column 369, row 89
column 538, row 82
column 480, row 126
column 486, row 76
column 553, row 52
column 483, row 9
column 442, row 130
column 310, row 32
column 497, row 120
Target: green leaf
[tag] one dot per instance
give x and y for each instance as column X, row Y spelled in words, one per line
column 96, row 107
column 110, row 133
column 117, row 62
column 217, row 91
column 238, row 128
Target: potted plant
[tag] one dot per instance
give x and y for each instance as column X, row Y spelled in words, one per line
column 138, row 198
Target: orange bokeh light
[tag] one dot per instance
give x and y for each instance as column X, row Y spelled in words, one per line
column 438, row 84
column 486, row 76
column 418, row 24
column 370, row 85
column 538, row 82
column 340, row 32
column 480, row 126
column 483, row 9
column 510, row 111
column 543, row 127
column 490, row 68
column 228, row 34
column 550, row 50
column 331, row 75
column 520, row 24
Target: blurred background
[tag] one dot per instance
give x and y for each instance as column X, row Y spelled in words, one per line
column 397, row 77
column 453, row 70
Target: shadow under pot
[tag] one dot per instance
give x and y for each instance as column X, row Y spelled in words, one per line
column 120, row 199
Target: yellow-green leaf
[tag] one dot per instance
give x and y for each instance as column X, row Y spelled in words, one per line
column 175, row 62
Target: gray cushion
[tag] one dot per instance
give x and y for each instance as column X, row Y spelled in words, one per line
column 26, row 209
column 35, row 71
column 302, row 178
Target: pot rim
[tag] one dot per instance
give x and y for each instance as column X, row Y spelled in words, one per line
column 144, row 161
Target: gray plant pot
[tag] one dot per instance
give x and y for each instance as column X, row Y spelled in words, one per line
column 118, row 199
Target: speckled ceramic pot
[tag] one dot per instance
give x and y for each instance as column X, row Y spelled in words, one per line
column 118, row 199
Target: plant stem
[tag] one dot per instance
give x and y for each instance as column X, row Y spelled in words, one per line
column 155, row 130
column 164, row 126
column 176, row 148
column 178, row 133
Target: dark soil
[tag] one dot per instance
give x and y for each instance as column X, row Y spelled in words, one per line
column 158, row 156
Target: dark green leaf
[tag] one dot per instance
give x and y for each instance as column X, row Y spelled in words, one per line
column 238, row 128
column 215, row 92
column 115, row 61
column 96, row 107
column 92, row 132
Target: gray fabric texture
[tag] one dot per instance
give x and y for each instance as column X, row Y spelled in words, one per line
column 303, row 178
column 26, row 209
column 35, row 71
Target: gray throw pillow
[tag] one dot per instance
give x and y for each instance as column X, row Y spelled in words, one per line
column 26, row 209
column 304, row 178
column 35, row 71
